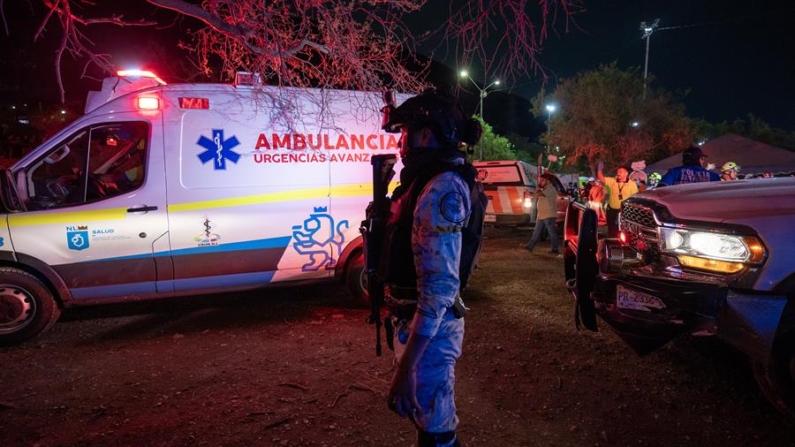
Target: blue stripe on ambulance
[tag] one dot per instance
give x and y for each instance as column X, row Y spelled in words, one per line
column 270, row 252
column 277, row 242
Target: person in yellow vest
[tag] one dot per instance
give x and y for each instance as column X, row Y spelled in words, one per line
column 621, row 188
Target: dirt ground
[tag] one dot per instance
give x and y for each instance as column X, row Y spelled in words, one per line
column 296, row 367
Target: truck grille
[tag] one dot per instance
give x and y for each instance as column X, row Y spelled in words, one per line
column 640, row 226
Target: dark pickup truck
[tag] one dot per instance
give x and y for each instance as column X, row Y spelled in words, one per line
column 706, row 259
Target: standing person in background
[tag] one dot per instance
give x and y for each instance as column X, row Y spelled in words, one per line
column 654, row 178
column 638, row 175
column 729, row 171
column 573, row 191
column 621, row 188
column 691, row 171
column 585, row 191
column 547, row 197
column 596, row 198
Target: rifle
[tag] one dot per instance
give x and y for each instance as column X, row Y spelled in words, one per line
column 373, row 229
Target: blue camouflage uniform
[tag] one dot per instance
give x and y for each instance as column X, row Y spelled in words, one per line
column 442, row 209
column 687, row 174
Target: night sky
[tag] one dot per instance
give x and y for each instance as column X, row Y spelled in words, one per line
column 734, row 57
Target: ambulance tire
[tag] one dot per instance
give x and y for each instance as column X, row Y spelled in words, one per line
column 356, row 279
column 27, row 307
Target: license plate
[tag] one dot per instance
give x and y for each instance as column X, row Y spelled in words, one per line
column 490, row 218
column 633, row 299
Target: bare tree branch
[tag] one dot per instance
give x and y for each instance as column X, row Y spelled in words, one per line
column 3, row 14
column 352, row 44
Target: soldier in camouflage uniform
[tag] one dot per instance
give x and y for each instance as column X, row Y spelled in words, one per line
column 434, row 200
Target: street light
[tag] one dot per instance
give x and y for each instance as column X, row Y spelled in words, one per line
column 550, row 108
column 483, row 94
column 647, row 31
column 483, row 91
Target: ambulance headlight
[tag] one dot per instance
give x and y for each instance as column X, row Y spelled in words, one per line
column 712, row 251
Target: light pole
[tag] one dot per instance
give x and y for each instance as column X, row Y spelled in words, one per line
column 647, row 32
column 483, row 94
column 550, row 108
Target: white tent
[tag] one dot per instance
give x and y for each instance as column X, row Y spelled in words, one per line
column 753, row 157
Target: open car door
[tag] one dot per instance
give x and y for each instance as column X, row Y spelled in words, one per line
column 645, row 327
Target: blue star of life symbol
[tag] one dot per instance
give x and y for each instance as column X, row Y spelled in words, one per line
column 218, row 149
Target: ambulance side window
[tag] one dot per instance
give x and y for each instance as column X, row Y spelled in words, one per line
column 116, row 159
column 54, row 180
column 92, row 164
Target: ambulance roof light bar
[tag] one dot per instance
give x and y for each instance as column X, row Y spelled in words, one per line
column 140, row 74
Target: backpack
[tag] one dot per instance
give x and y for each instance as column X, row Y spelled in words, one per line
column 397, row 264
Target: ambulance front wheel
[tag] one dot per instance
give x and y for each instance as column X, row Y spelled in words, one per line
column 27, row 307
column 356, row 279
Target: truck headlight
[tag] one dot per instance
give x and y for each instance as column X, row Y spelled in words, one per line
column 711, row 251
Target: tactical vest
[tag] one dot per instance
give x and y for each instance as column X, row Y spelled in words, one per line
column 396, row 267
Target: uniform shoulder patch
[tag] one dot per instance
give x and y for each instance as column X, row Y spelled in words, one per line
column 453, row 207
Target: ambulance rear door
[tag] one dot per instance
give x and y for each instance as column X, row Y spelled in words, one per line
column 94, row 206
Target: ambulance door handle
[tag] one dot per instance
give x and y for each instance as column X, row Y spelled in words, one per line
column 141, row 209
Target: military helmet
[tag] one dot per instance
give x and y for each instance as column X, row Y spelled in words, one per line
column 437, row 111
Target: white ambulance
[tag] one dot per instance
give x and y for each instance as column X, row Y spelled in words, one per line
column 166, row 190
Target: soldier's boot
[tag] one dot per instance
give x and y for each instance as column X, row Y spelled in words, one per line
column 444, row 439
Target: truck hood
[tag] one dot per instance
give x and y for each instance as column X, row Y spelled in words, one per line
column 738, row 201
